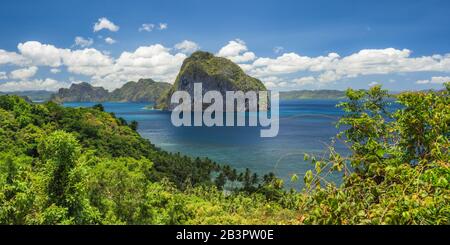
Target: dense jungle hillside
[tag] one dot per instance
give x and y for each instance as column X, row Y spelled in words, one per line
column 86, row 166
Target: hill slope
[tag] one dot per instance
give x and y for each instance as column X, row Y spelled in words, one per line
column 144, row 90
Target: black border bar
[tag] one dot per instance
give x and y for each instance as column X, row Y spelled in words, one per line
column 168, row 233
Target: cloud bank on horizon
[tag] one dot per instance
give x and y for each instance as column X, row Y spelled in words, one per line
column 284, row 70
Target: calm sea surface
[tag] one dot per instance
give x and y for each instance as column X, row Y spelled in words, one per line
column 306, row 126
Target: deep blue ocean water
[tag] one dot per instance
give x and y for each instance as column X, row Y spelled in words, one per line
column 306, row 126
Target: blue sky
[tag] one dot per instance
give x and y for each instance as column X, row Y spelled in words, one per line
column 287, row 44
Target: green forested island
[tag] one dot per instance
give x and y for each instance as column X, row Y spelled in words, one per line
column 86, row 166
column 215, row 73
column 144, row 90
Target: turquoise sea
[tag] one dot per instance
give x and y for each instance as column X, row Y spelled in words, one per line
column 306, row 126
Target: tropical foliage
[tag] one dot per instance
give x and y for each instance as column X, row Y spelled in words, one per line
column 85, row 166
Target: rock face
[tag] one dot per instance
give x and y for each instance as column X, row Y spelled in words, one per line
column 82, row 92
column 145, row 90
column 215, row 73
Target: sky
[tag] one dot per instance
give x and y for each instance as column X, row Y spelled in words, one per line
column 289, row 45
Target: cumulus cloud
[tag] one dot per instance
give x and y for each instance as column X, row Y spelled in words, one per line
column 148, row 27
column 37, row 84
column 423, row 81
column 333, row 67
column 24, row 73
column 153, row 61
column 109, row 40
column 104, row 23
column 162, row 63
column 41, row 54
column 278, row 49
column 55, row 70
column 12, row 58
column 187, row 46
column 163, row 26
column 270, row 85
column 290, row 63
column 236, row 50
column 301, row 81
column 83, row 42
column 435, row 80
column 3, row 75
column 87, row 62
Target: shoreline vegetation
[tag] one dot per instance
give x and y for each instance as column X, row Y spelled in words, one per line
column 63, row 165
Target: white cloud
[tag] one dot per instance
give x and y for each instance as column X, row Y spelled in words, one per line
column 285, row 71
column 270, row 85
column 109, row 40
column 301, row 81
column 37, row 84
column 290, row 63
column 41, row 54
column 84, row 61
column 236, row 51
column 187, row 46
column 271, row 79
column 3, row 75
column 148, row 27
column 83, row 42
column 153, row 61
column 12, row 58
column 371, row 84
column 55, row 70
column 163, row 26
column 24, row 73
column 329, row 76
column 88, row 62
column 423, row 81
column 333, row 67
column 435, row 80
column 104, row 23
column 278, row 49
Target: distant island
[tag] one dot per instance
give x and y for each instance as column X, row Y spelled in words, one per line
column 144, row 90
column 312, row 94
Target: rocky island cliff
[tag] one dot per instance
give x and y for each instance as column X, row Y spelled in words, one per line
column 214, row 73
